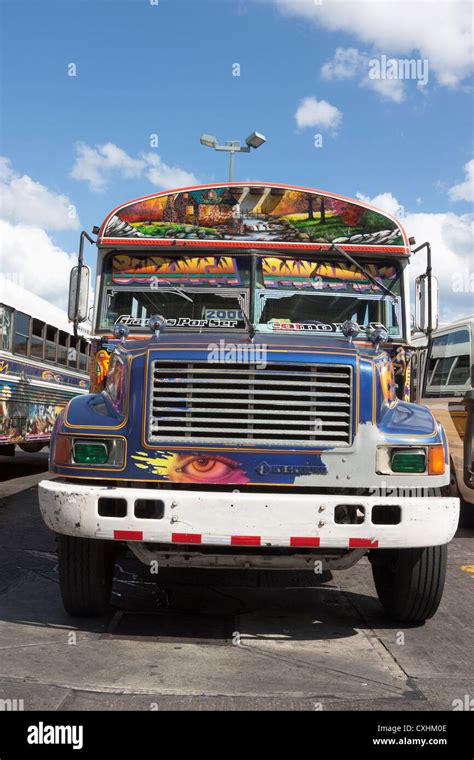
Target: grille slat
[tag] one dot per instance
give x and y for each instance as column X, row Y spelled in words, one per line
column 234, row 381
column 245, row 404
column 214, row 410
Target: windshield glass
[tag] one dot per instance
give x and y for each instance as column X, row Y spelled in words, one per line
column 189, row 291
column 307, row 295
column 209, row 292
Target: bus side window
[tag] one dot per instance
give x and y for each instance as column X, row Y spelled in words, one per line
column 449, row 363
column 51, row 341
column 62, row 348
column 461, row 372
column 37, row 339
column 6, row 318
column 72, row 355
column 83, row 355
column 21, row 335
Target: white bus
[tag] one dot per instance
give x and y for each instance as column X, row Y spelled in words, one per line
column 42, row 366
column 441, row 377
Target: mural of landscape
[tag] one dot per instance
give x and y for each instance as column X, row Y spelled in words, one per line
column 254, row 213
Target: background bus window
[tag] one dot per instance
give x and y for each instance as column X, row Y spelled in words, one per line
column 51, row 341
column 21, row 335
column 6, row 315
column 37, row 339
column 461, row 371
column 62, row 348
column 83, row 355
column 72, row 357
column 449, row 366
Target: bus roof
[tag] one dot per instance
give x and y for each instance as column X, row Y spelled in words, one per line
column 17, row 297
column 264, row 215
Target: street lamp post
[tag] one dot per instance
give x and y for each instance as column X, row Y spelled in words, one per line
column 255, row 140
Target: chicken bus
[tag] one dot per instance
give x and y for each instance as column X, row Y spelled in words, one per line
column 250, row 397
column 42, row 366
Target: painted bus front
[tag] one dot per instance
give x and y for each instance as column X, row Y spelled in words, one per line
column 249, row 401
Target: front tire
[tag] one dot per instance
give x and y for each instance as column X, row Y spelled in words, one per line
column 410, row 582
column 31, row 448
column 86, row 570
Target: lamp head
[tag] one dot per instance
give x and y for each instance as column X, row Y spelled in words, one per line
column 120, row 331
column 157, row 324
column 378, row 336
column 209, row 140
column 350, row 329
column 255, row 140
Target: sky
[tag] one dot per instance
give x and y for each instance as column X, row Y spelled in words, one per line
column 105, row 101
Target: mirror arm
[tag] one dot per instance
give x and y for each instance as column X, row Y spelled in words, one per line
column 80, row 262
column 429, row 329
column 468, row 437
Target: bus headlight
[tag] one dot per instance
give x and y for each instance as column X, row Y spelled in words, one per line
column 88, row 451
column 411, row 460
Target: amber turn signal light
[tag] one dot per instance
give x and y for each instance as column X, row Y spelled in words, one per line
column 63, row 449
column 436, row 463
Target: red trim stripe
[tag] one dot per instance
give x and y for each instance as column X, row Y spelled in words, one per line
column 313, row 247
column 186, row 538
column 362, row 543
column 245, row 540
column 304, row 541
column 128, row 535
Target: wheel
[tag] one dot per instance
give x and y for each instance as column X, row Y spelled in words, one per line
column 410, row 582
column 31, row 448
column 86, row 571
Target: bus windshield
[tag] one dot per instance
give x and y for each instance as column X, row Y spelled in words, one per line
column 215, row 291
column 189, row 291
column 319, row 295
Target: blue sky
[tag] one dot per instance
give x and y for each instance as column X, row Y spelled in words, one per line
column 167, row 69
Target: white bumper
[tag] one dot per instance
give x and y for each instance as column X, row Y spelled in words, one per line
column 246, row 519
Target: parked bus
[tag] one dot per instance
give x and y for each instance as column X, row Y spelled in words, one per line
column 443, row 373
column 249, row 398
column 42, row 366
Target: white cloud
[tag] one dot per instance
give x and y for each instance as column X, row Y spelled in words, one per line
column 440, row 31
column 29, row 257
column 384, row 201
column 350, row 63
column 345, row 64
column 164, row 176
column 96, row 165
column 24, row 200
column 464, row 191
column 451, row 237
column 317, row 113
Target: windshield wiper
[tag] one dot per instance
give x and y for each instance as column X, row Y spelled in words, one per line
column 364, row 271
column 248, row 322
column 179, row 292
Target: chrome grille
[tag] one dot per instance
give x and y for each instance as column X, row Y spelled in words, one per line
column 222, row 403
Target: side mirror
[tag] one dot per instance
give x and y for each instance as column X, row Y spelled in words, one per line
column 78, row 304
column 426, row 303
column 469, row 439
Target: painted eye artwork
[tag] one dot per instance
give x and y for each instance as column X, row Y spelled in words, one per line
column 203, row 469
column 193, row 468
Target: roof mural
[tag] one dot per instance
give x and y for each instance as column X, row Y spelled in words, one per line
column 253, row 213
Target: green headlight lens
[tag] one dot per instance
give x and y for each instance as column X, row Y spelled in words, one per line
column 88, row 452
column 409, row 461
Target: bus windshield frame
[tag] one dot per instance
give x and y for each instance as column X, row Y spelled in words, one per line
column 223, row 289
